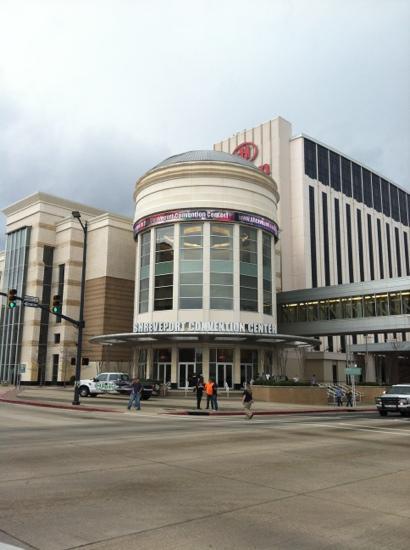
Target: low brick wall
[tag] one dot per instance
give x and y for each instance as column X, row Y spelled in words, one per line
column 308, row 395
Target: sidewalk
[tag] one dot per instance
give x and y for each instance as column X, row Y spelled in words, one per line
column 180, row 404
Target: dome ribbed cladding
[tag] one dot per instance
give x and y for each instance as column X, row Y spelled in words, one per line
column 205, row 156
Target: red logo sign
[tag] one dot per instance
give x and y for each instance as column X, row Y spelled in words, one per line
column 247, row 150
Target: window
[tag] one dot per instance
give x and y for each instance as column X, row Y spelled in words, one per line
column 403, row 207
column 367, row 188
column 338, row 243
column 102, row 377
column 57, row 338
column 310, row 158
column 357, row 182
column 144, row 271
column 221, row 272
column 248, row 268
column 323, row 164
column 61, row 271
column 346, row 177
column 349, row 243
column 389, row 250
column 334, row 170
column 380, row 243
column 360, row 244
column 267, row 273
column 190, row 266
column 377, row 198
column 398, row 255
column 164, row 268
column 326, row 239
column 313, row 235
column 394, row 200
column 370, row 238
column 385, row 197
column 406, row 252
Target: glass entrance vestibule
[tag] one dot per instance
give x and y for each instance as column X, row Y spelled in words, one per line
column 230, row 367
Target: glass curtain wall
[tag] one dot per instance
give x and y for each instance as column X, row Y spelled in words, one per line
column 221, row 268
column 190, row 266
column 164, row 268
column 267, row 273
column 144, row 272
column 248, row 269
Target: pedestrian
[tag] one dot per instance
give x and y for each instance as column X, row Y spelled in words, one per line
column 247, row 401
column 313, row 381
column 209, row 390
column 349, row 398
column 339, row 396
column 199, row 390
column 215, row 396
column 135, row 396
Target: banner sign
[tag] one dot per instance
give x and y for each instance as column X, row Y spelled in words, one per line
column 206, row 214
column 204, row 327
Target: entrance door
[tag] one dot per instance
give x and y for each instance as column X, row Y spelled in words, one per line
column 186, row 373
column 224, row 375
column 249, row 372
column 163, row 373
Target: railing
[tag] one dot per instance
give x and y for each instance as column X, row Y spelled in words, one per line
column 331, row 392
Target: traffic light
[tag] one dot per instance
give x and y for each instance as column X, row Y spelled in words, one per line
column 11, row 298
column 56, row 304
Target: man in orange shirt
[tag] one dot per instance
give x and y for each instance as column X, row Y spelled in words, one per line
column 209, row 390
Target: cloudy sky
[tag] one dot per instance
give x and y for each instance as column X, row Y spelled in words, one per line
column 94, row 92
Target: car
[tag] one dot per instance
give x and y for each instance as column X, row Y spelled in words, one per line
column 151, row 387
column 395, row 399
column 111, row 382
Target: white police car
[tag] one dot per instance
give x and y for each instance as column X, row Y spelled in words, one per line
column 105, row 382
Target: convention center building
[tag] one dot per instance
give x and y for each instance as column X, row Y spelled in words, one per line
column 205, row 297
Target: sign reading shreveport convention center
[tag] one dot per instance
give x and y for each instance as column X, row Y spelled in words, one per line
column 206, row 214
column 204, row 327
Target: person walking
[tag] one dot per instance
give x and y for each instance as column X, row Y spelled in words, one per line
column 349, row 398
column 199, row 390
column 215, row 396
column 339, row 396
column 135, row 396
column 247, row 401
column 209, row 390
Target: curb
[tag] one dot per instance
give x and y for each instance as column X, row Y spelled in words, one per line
column 267, row 413
column 52, row 406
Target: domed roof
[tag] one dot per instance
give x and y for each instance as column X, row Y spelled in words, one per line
column 205, row 156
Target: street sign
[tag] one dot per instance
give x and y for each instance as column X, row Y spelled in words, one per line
column 356, row 371
column 30, row 301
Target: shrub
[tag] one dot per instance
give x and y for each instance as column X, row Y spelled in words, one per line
column 271, row 382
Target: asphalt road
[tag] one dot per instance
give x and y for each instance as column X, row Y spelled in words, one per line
column 119, row 481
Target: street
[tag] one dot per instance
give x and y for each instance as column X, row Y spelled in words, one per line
column 73, row 479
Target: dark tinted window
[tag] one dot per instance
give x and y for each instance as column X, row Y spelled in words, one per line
column 398, row 255
column 370, row 237
column 360, row 243
column 406, row 253
column 334, row 170
column 403, row 207
column 385, row 197
column 380, row 243
column 367, row 188
column 312, row 235
column 357, row 182
column 310, row 159
column 349, row 242
column 338, row 243
column 394, row 199
column 346, row 177
column 389, row 249
column 377, row 199
column 323, row 164
column 326, row 239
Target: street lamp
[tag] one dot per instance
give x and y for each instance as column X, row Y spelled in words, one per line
column 76, row 214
